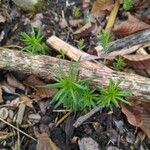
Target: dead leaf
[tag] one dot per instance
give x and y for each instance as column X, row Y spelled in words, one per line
column 37, row 21
column 130, row 26
column 12, row 81
column 101, row 7
column 92, row 51
column 15, row 102
column 137, row 61
column 44, row 92
column 86, row 4
column 75, row 22
column 142, row 10
column 69, row 129
column 7, row 88
column 142, row 51
column 63, row 23
column 4, row 113
column 26, row 100
column 44, row 141
column 2, row 19
column 86, row 29
column 5, row 135
column 138, row 113
column 32, row 80
column 39, row 92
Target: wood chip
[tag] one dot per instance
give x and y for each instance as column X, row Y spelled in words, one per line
column 4, row 113
column 2, row 19
column 20, row 114
column 138, row 113
column 88, row 144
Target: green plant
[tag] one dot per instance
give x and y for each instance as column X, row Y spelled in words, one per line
column 34, row 43
column 73, row 93
column 104, row 39
column 80, row 43
column 88, row 18
column 111, row 95
column 119, row 63
column 61, row 55
column 92, row 1
column 127, row 4
column 75, row 11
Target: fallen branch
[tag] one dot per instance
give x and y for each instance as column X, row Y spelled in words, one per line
column 73, row 53
column 129, row 41
column 81, row 119
column 44, row 66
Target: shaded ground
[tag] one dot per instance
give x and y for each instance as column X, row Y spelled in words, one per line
column 110, row 129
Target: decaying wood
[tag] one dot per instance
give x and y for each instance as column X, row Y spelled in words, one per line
column 44, row 66
column 129, row 41
column 73, row 53
column 81, row 119
column 20, row 114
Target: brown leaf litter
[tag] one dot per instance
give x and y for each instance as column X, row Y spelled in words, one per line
column 138, row 113
column 130, row 26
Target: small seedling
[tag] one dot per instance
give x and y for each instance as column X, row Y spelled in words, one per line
column 92, row 1
column 61, row 55
column 127, row 4
column 34, row 43
column 104, row 39
column 80, row 44
column 111, row 95
column 75, row 11
column 73, row 93
column 119, row 63
column 88, row 18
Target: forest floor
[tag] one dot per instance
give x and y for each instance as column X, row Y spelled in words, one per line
column 26, row 109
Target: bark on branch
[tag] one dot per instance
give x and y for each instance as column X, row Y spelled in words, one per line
column 129, row 41
column 44, row 66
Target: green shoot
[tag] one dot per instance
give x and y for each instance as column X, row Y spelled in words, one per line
column 88, row 18
column 80, row 44
column 73, row 93
column 76, row 95
column 92, row 1
column 104, row 39
column 34, row 43
column 127, row 4
column 75, row 11
column 119, row 63
column 111, row 95
column 61, row 55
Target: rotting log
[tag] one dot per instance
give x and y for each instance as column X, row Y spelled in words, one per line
column 44, row 66
column 131, row 40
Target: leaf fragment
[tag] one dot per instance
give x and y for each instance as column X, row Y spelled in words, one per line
column 138, row 113
column 130, row 26
column 39, row 92
column 102, row 7
column 86, row 29
column 138, row 61
column 45, row 143
column 12, row 81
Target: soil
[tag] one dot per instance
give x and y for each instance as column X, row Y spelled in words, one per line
column 110, row 129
